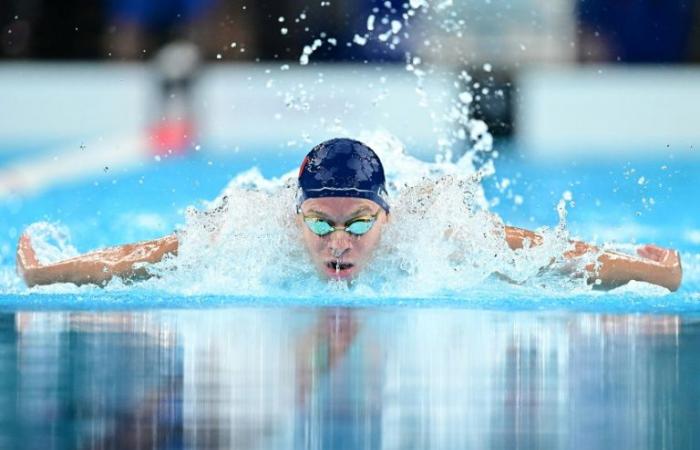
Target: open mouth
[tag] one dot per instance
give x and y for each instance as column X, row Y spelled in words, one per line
column 333, row 265
column 338, row 269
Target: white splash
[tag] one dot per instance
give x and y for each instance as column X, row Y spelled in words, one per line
column 51, row 242
column 440, row 238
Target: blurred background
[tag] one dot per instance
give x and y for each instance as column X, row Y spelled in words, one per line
column 97, row 93
column 557, row 71
column 540, row 53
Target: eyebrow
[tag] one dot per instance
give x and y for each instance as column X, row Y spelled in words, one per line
column 318, row 213
column 360, row 210
column 352, row 215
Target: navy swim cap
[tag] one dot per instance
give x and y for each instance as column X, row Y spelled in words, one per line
column 342, row 168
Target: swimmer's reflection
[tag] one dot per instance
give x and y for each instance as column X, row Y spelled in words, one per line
column 339, row 380
column 259, row 378
column 268, row 378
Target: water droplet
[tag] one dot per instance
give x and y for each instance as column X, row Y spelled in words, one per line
column 359, row 40
column 466, row 97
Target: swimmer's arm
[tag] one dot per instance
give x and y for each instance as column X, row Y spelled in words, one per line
column 653, row 264
column 96, row 267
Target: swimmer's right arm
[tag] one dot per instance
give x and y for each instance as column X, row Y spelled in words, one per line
column 97, row 267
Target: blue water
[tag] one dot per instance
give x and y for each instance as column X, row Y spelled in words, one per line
column 502, row 368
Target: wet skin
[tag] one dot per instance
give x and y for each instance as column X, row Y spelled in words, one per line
column 340, row 255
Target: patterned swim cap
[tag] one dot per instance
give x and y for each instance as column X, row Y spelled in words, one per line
column 342, row 168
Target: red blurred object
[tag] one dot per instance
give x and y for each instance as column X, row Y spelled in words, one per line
column 172, row 137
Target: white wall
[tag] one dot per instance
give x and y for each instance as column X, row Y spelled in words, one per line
column 300, row 106
column 72, row 101
column 609, row 111
column 561, row 110
column 237, row 103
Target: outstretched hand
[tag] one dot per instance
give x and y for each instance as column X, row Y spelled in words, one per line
column 27, row 261
column 667, row 259
column 663, row 256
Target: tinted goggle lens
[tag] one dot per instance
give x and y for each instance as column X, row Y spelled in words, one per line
column 321, row 227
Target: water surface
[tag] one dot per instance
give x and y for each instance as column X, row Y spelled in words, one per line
column 335, row 377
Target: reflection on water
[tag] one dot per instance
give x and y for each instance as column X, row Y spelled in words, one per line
column 348, row 378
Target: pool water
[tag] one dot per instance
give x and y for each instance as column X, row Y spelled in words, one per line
column 347, row 377
column 502, row 367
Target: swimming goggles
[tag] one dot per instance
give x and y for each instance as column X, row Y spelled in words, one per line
column 355, row 227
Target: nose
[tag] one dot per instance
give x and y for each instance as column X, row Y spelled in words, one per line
column 339, row 243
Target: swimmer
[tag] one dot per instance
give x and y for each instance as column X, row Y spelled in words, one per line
column 341, row 212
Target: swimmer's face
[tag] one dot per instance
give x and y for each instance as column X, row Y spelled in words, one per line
column 339, row 254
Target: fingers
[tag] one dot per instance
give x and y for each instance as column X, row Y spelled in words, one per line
column 654, row 253
column 26, row 257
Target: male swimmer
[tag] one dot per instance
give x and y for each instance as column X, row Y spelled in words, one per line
column 341, row 212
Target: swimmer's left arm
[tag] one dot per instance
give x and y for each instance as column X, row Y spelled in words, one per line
column 656, row 265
